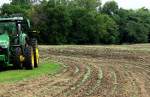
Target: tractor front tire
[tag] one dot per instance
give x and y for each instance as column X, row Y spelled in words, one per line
column 29, row 58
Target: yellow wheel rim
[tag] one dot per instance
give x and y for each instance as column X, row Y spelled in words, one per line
column 37, row 55
column 21, row 58
column 32, row 59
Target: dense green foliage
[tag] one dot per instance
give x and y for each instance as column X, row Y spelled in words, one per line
column 83, row 21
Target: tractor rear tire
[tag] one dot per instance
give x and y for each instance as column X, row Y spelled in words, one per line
column 1, row 66
column 17, row 58
column 35, row 52
column 29, row 58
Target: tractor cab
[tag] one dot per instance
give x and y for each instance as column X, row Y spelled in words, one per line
column 8, row 27
column 14, row 27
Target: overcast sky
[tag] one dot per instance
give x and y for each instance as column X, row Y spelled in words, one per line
column 4, row 1
column 132, row 4
column 127, row 4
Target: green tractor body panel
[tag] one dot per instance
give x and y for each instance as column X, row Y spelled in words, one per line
column 2, row 58
column 4, row 48
column 4, row 40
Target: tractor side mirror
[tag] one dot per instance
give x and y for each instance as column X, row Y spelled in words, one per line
column 35, row 34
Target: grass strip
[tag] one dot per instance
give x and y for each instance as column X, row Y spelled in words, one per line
column 17, row 75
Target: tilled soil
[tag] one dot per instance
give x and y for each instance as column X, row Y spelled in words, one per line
column 89, row 71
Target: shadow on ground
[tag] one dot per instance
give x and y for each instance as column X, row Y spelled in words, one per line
column 7, row 68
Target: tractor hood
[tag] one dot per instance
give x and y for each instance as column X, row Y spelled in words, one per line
column 4, row 40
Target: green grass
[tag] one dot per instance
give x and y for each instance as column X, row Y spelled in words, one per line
column 17, row 75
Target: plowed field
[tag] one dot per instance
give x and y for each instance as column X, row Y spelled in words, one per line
column 89, row 71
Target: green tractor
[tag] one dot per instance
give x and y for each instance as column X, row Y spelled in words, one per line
column 18, row 46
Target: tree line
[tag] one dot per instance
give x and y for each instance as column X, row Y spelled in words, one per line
column 83, row 21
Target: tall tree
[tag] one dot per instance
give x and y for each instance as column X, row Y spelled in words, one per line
column 83, row 30
column 110, row 8
column 15, row 2
column 53, row 21
column 88, row 4
column 108, row 29
column 16, row 6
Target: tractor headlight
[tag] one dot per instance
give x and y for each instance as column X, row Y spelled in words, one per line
column 4, row 44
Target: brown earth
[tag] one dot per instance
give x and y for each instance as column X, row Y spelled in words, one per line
column 89, row 71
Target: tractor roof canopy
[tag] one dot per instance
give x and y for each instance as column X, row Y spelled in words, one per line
column 24, row 22
column 11, row 19
column 11, row 24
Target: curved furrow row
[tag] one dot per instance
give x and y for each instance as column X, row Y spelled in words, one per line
column 77, row 75
column 63, row 82
column 130, row 86
column 79, row 83
column 98, row 83
column 106, row 85
column 142, row 79
column 76, row 82
column 115, row 84
column 144, row 72
column 87, row 82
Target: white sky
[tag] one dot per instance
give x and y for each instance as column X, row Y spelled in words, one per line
column 132, row 4
column 4, row 1
column 127, row 4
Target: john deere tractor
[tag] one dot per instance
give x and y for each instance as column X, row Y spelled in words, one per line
column 18, row 46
